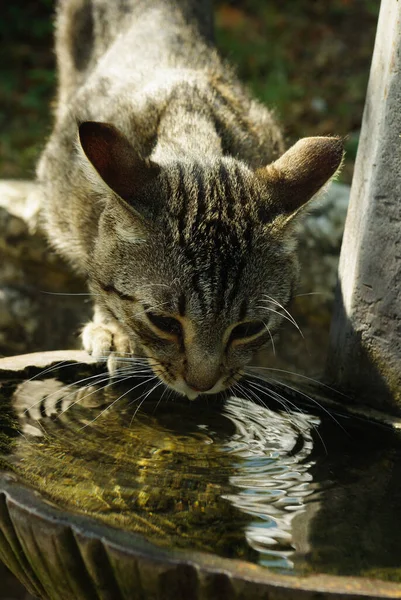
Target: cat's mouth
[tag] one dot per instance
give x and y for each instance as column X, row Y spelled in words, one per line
column 191, row 393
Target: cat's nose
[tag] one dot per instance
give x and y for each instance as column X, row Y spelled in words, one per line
column 197, row 388
column 202, row 371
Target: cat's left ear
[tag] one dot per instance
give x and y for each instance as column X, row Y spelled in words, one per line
column 114, row 158
column 294, row 178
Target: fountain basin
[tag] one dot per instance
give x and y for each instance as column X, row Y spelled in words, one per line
column 61, row 548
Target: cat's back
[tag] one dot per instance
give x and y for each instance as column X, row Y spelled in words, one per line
column 141, row 34
column 150, row 69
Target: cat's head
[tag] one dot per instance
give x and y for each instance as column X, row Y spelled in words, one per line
column 197, row 260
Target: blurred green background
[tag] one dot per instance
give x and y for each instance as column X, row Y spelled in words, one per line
column 307, row 58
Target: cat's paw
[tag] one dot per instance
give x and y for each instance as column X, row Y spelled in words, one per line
column 106, row 342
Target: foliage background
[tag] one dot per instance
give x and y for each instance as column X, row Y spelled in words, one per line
column 307, row 58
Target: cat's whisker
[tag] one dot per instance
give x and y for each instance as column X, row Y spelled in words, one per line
column 313, row 400
column 226, row 393
column 267, row 380
column 161, row 398
column 298, row 409
column 55, row 367
column 76, row 383
column 290, row 319
column 127, row 354
column 119, row 378
column 116, row 400
column 158, row 384
column 58, row 366
column 276, row 397
column 313, row 294
column 68, row 293
column 238, row 386
column 135, row 400
column 65, row 387
column 125, row 359
column 252, row 393
column 234, row 388
column 293, row 373
column 287, row 312
column 123, row 355
column 242, row 390
column 259, row 400
column 132, row 360
column 98, row 389
column 284, row 402
column 271, row 338
column 170, row 392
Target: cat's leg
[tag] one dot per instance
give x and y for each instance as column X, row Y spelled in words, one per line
column 104, row 339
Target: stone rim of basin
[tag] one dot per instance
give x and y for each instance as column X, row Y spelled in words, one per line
column 90, row 555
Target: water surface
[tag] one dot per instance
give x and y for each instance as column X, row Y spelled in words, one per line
column 294, row 491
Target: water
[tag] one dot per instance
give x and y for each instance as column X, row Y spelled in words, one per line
column 297, row 492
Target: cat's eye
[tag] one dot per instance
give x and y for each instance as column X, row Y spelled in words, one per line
column 166, row 324
column 246, row 330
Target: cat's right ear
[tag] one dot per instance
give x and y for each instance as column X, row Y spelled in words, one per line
column 114, row 158
column 300, row 173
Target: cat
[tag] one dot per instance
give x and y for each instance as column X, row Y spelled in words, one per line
column 168, row 187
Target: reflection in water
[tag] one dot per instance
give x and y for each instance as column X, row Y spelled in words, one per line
column 273, row 476
column 292, row 491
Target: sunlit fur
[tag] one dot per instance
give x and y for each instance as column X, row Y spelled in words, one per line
column 202, row 231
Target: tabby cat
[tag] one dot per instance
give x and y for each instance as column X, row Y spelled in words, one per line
column 166, row 185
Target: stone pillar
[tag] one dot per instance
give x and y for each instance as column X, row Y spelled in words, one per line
column 365, row 347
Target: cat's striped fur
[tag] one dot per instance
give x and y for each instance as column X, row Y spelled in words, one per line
column 169, row 200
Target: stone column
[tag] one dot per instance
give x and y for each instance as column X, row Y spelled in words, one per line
column 365, row 348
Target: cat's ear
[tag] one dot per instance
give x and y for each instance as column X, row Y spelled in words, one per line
column 116, row 161
column 300, row 172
